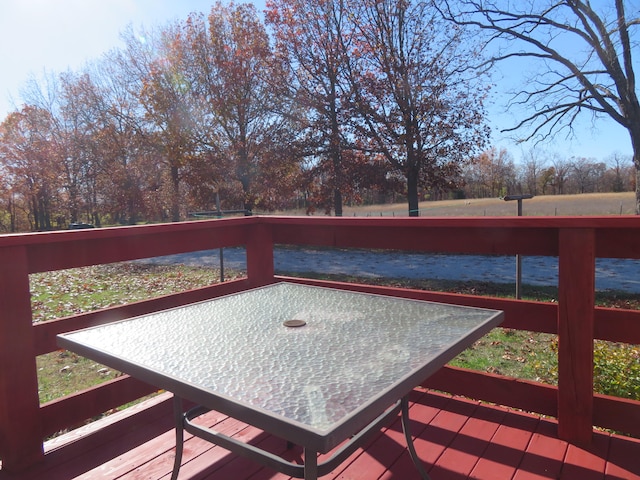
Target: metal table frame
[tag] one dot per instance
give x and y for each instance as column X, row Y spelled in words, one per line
column 310, row 469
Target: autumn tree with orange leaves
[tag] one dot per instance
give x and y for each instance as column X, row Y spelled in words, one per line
column 492, row 174
column 312, row 38
column 26, row 152
column 173, row 111
column 416, row 97
column 229, row 62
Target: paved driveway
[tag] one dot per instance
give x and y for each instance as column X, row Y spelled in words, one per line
column 611, row 274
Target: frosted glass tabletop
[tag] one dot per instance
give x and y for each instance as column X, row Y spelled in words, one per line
column 350, row 352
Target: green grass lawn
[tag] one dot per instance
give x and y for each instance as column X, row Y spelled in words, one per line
column 70, row 292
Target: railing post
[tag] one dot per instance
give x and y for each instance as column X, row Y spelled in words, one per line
column 20, row 431
column 260, row 255
column 576, row 302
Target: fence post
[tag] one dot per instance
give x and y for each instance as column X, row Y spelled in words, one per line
column 260, row 254
column 576, row 302
column 20, row 429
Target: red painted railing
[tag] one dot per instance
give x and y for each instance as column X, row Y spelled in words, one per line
column 576, row 241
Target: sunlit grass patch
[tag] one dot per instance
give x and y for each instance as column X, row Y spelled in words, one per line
column 70, row 292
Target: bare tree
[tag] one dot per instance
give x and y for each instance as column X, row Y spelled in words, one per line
column 586, row 172
column 492, row 174
column 562, row 167
column 586, row 53
column 127, row 162
column 618, row 173
column 532, row 167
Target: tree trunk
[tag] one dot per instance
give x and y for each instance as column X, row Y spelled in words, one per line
column 412, row 192
column 336, row 158
column 248, row 202
column 337, row 202
column 175, row 194
column 13, row 215
column 637, row 184
column 336, row 150
column 337, row 178
column 36, row 212
column 635, row 145
column 248, row 208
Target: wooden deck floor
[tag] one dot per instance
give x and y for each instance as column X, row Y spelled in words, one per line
column 456, row 439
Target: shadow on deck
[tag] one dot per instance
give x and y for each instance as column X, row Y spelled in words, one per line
column 455, row 437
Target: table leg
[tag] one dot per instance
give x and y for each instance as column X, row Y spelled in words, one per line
column 310, row 464
column 179, row 420
column 407, row 434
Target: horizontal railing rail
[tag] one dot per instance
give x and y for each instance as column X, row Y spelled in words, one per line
column 576, row 241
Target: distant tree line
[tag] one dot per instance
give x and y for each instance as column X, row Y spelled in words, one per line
column 320, row 104
column 494, row 174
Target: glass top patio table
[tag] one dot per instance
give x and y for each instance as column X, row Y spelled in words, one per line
column 353, row 355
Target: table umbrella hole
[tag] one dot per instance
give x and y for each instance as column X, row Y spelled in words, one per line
column 294, row 323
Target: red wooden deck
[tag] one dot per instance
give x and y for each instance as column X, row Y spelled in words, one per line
column 456, row 438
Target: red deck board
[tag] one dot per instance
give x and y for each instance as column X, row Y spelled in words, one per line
column 623, row 461
column 544, row 455
column 506, row 449
column 457, row 439
column 587, row 462
column 423, row 414
column 164, row 446
column 373, row 462
column 201, row 457
column 210, row 465
column 383, row 451
column 461, row 457
column 61, row 461
column 275, row 445
column 453, row 420
column 432, row 439
column 438, row 432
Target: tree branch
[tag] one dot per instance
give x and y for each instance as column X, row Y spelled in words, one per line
column 544, row 33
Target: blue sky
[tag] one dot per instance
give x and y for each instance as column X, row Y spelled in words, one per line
column 56, row 35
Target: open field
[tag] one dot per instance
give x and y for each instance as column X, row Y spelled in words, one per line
column 547, row 205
